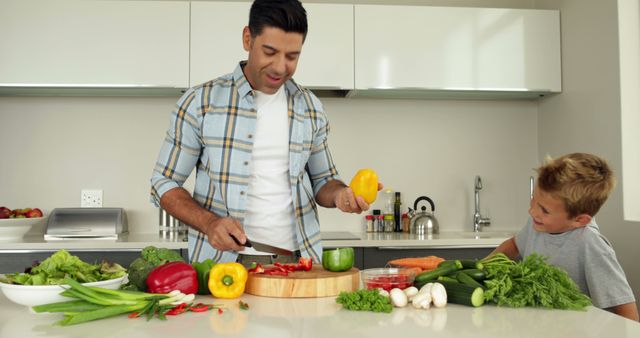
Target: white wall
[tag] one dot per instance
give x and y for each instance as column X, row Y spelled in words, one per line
column 586, row 117
column 52, row 147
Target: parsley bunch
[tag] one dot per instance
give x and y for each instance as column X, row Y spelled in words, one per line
column 364, row 300
column 531, row 282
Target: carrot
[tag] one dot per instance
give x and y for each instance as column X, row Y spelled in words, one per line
column 425, row 263
column 411, row 270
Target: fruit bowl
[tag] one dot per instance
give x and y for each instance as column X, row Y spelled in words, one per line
column 15, row 228
column 31, row 295
column 388, row 278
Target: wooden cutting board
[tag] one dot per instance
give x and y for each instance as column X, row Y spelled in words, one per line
column 303, row 284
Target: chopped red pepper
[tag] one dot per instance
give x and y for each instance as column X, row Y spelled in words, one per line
column 134, row 315
column 276, row 272
column 178, row 309
column 199, row 307
column 257, row 269
column 305, row 264
column 220, row 311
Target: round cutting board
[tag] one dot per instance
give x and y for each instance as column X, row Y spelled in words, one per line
column 302, row 284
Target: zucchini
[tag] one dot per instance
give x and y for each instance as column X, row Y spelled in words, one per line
column 467, row 280
column 437, row 272
column 464, row 294
column 476, row 274
column 471, row 264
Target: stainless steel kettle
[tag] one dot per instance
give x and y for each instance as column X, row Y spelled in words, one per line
column 424, row 222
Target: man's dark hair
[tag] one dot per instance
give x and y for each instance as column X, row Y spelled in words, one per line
column 288, row 15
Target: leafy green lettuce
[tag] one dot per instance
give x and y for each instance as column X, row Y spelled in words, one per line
column 61, row 265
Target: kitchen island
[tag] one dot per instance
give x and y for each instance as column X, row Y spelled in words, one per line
column 322, row 317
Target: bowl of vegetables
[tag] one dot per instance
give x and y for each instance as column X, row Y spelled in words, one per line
column 31, row 295
column 43, row 282
column 388, row 278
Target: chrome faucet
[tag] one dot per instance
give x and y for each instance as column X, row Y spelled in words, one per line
column 478, row 220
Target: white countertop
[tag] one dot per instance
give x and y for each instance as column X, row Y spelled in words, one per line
column 322, row 317
column 137, row 241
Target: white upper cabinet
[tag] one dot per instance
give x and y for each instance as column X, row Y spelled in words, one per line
column 417, row 49
column 326, row 61
column 94, row 44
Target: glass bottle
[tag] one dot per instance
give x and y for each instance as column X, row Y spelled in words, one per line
column 396, row 212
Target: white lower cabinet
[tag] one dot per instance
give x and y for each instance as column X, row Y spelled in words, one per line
column 456, row 49
column 326, row 61
column 97, row 44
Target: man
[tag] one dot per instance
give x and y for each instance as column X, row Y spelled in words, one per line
column 258, row 142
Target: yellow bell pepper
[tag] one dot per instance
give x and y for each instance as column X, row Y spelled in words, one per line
column 227, row 280
column 365, row 184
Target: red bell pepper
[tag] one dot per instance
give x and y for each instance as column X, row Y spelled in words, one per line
column 173, row 276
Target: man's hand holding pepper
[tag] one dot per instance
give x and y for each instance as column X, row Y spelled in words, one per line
column 347, row 201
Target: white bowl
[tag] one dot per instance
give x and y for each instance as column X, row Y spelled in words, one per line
column 15, row 228
column 31, row 295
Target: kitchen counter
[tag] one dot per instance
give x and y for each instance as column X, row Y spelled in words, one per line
column 137, row 241
column 322, row 317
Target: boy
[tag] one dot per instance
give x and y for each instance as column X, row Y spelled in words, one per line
column 570, row 191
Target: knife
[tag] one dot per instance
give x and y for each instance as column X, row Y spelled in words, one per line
column 264, row 247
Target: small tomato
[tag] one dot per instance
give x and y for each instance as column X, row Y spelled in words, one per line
column 365, row 184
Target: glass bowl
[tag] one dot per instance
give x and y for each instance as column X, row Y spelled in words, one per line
column 388, row 278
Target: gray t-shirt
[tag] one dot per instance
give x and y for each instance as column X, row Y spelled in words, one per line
column 588, row 258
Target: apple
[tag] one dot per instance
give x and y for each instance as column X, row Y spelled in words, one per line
column 33, row 213
column 5, row 212
column 21, row 212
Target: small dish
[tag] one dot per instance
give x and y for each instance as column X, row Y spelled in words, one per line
column 388, row 278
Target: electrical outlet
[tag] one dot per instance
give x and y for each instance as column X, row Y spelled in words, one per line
column 91, row 198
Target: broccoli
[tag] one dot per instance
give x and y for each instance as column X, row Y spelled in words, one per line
column 151, row 257
column 159, row 256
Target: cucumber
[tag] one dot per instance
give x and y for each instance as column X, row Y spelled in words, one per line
column 476, row 274
column 437, row 272
column 453, row 262
column 467, row 280
column 471, row 264
column 464, row 294
column 447, row 279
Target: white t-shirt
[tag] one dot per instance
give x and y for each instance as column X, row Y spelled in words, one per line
column 269, row 217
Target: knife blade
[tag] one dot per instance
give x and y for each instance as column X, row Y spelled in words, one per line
column 264, row 247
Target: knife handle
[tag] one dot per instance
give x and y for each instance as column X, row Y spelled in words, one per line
column 246, row 244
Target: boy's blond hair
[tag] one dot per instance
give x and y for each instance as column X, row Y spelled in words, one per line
column 582, row 181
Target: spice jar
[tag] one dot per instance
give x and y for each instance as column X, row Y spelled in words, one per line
column 376, row 221
column 389, row 224
column 369, row 223
column 405, row 222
